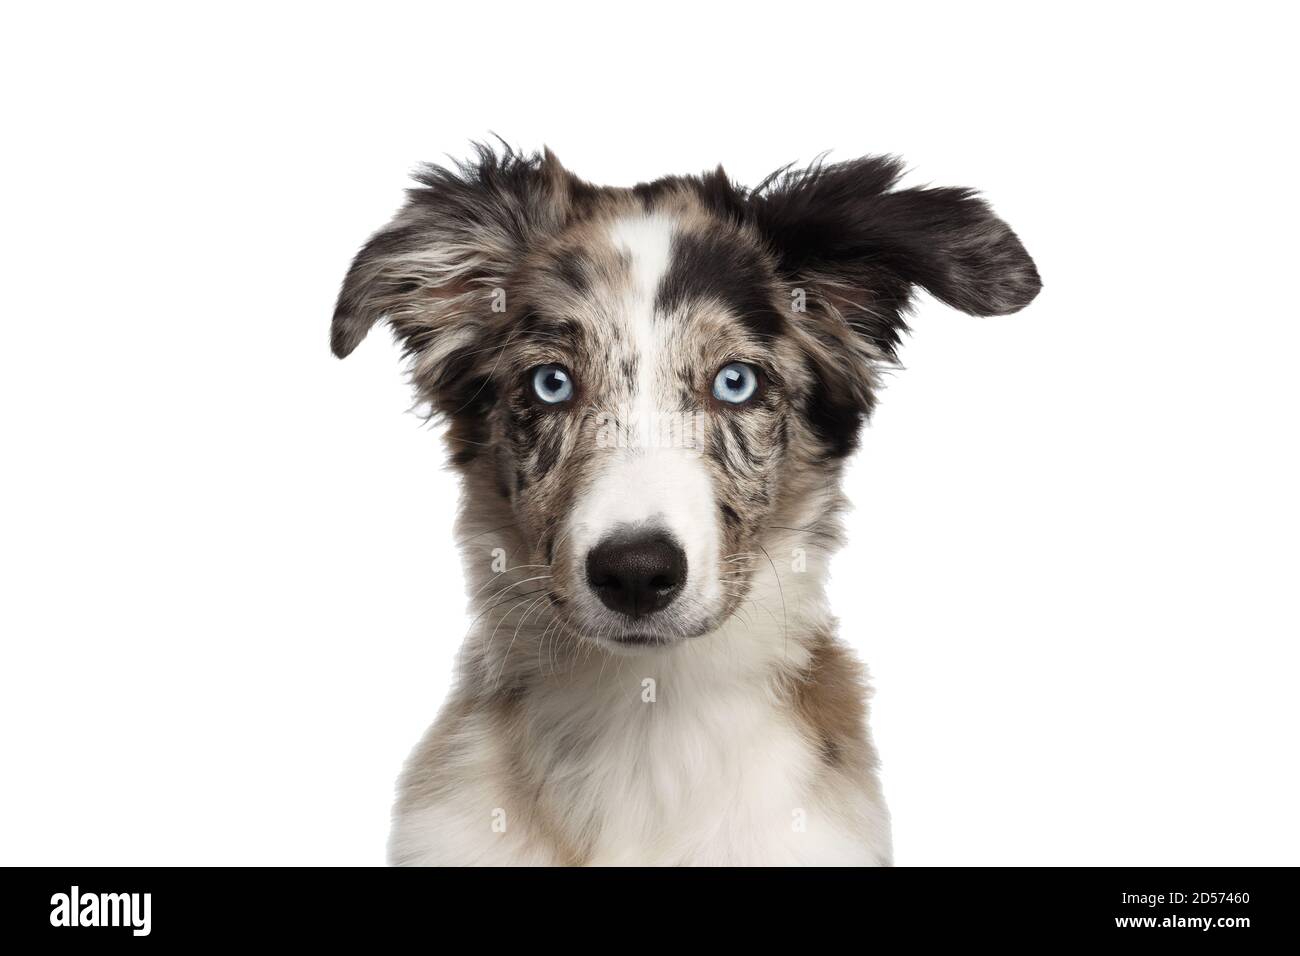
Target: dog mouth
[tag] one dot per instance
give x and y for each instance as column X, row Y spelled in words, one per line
column 642, row 641
column 584, row 615
column 639, row 639
column 643, row 633
column 636, row 590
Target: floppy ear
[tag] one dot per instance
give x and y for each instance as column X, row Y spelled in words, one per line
column 432, row 270
column 858, row 249
column 843, row 232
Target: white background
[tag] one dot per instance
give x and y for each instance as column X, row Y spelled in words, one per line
column 230, row 596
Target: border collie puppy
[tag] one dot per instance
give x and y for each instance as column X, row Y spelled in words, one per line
column 650, row 394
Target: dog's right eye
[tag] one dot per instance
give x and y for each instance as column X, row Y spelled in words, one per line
column 552, row 384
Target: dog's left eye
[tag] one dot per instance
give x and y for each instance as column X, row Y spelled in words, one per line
column 552, row 383
column 735, row 383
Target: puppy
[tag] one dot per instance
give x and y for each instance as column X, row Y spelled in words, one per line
column 649, row 396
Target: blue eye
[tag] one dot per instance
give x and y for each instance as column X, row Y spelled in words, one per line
column 735, row 383
column 552, row 384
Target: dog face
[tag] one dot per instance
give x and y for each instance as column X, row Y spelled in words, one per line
column 645, row 377
column 644, row 415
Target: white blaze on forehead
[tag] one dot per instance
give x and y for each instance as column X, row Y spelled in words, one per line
column 645, row 481
column 647, row 241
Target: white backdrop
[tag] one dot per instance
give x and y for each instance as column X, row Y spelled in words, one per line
column 230, row 600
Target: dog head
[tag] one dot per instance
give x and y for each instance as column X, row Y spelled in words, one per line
column 645, row 378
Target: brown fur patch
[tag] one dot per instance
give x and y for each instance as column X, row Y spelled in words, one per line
column 829, row 701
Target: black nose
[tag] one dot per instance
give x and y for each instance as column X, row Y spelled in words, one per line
column 636, row 573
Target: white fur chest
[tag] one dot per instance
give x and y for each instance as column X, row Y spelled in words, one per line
column 663, row 760
column 683, row 756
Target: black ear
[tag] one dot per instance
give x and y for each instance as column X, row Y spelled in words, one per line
column 431, row 270
column 842, row 230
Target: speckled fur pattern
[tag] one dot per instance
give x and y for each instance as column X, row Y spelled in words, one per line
column 729, row 727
